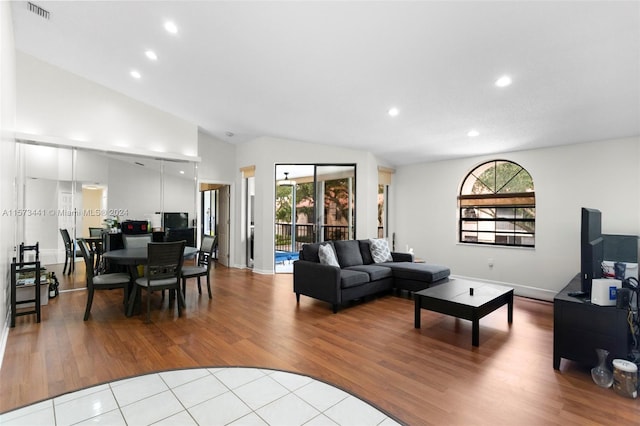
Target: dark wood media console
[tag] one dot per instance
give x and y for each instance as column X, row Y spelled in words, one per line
column 580, row 327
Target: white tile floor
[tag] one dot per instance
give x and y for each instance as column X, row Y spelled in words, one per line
column 204, row 396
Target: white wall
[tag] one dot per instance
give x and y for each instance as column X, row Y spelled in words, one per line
column 264, row 153
column 218, row 166
column 46, row 162
column 603, row 175
column 42, row 195
column 55, row 103
column 91, row 168
column 7, row 164
column 138, row 190
column 134, row 189
column 218, row 163
column 180, row 195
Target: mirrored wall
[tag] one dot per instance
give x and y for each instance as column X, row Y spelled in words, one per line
column 77, row 189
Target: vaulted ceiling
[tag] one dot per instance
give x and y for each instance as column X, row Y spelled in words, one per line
column 329, row 72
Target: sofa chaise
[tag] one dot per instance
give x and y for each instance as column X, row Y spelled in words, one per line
column 359, row 268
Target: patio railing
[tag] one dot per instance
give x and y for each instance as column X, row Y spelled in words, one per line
column 305, row 234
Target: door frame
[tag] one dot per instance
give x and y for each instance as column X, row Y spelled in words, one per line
column 225, row 243
column 319, row 219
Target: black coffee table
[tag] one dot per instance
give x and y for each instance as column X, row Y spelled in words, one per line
column 466, row 299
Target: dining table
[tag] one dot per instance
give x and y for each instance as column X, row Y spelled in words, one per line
column 138, row 255
column 135, row 256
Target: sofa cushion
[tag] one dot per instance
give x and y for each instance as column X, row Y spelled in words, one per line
column 365, row 251
column 327, row 256
column 310, row 251
column 350, row 278
column 348, row 253
column 375, row 272
column 380, row 250
column 418, row 271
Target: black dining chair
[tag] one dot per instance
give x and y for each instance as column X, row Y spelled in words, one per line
column 96, row 246
column 162, row 272
column 101, row 282
column 136, row 240
column 70, row 252
column 202, row 266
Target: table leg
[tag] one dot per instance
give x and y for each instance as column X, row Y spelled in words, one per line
column 510, row 308
column 416, row 321
column 134, row 294
column 475, row 332
column 556, row 362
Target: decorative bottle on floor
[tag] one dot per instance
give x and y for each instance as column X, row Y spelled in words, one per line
column 601, row 374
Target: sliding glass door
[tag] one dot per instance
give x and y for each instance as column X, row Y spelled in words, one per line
column 335, row 185
column 313, row 203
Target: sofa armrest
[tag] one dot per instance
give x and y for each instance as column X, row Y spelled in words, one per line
column 317, row 280
column 402, row 257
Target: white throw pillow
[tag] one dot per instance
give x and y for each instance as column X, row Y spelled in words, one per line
column 380, row 250
column 327, row 255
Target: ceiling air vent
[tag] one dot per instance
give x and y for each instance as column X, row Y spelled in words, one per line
column 38, row 10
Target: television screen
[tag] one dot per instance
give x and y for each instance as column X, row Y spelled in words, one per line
column 175, row 221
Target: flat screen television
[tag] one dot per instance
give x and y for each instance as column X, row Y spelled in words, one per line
column 591, row 247
column 175, row 220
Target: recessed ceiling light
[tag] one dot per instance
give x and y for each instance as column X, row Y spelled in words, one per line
column 135, row 74
column 171, row 27
column 181, row 172
column 503, row 81
column 393, row 111
column 473, row 133
column 151, row 55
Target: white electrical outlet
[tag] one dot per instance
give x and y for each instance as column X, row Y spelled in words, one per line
column 490, row 262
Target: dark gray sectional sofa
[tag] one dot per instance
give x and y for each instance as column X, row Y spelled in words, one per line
column 358, row 275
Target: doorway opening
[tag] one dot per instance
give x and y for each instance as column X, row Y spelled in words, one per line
column 250, row 193
column 313, row 203
column 214, row 217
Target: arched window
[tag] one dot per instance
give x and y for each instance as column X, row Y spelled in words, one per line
column 497, row 206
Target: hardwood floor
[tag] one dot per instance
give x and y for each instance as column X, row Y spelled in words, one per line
column 421, row 376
